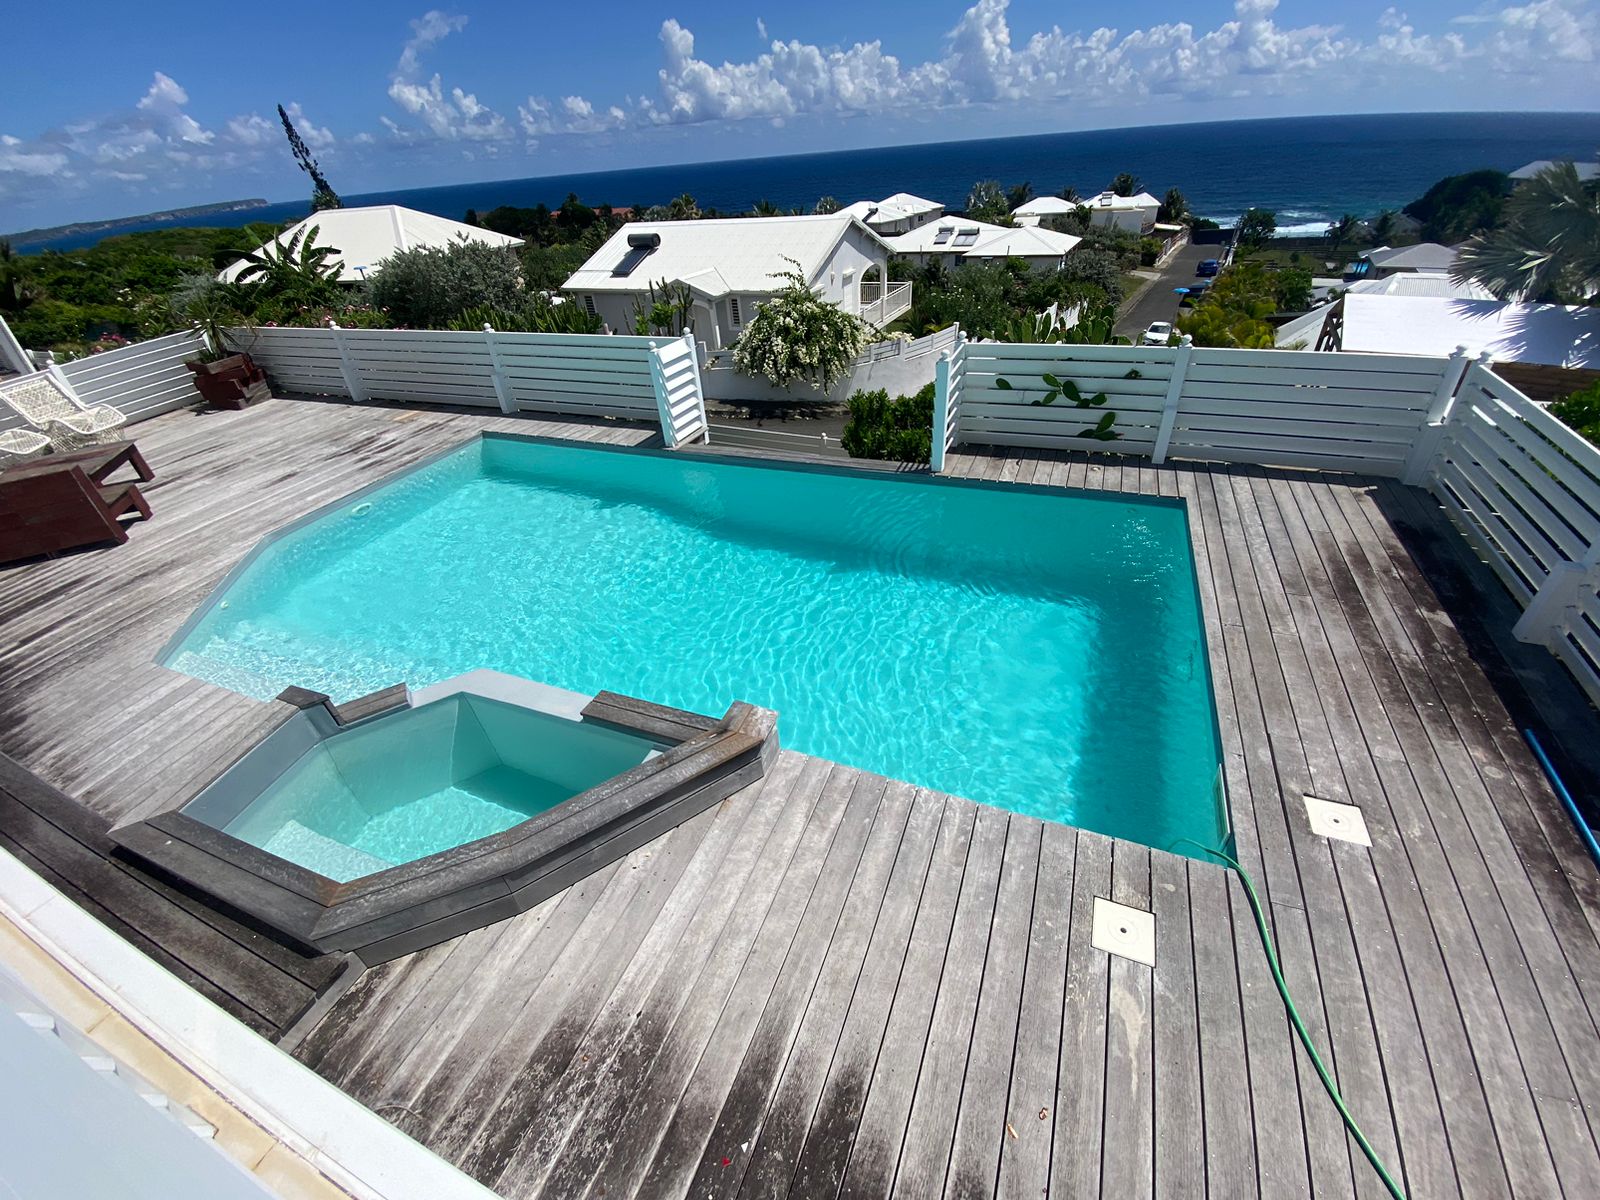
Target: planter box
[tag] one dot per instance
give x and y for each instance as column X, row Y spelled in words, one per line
column 234, row 382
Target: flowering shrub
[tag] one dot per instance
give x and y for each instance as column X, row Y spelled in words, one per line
column 797, row 336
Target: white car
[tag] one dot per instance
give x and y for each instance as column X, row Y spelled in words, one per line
column 1159, row 333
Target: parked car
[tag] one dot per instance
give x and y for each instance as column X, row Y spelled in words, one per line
column 1209, row 266
column 1159, row 333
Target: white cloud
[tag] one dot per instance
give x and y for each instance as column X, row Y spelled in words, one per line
column 984, row 63
column 164, row 102
column 456, row 114
column 317, row 137
column 249, row 130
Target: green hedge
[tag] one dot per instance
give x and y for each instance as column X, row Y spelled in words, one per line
column 900, row 430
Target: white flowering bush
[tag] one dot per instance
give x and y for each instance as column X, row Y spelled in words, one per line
column 797, row 336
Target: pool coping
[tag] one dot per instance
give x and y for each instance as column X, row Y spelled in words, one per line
column 414, row 905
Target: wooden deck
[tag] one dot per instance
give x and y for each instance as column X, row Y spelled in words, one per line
column 834, row 984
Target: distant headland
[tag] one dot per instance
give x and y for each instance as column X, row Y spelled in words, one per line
column 29, row 236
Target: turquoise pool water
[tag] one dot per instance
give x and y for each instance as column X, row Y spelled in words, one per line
column 1038, row 650
column 421, row 781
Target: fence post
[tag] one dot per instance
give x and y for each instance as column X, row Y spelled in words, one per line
column 1544, row 621
column 1169, row 407
column 504, row 391
column 941, row 413
column 1425, row 450
column 347, row 367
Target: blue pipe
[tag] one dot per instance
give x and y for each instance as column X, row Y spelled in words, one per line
column 1578, row 822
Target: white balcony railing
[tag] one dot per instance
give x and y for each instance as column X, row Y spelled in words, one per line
column 882, row 303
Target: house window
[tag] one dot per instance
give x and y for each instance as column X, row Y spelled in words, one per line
column 734, row 315
column 588, row 305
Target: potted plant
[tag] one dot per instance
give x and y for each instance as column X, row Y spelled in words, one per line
column 225, row 376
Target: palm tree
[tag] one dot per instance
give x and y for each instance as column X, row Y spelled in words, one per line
column 1126, row 184
column 825, row 206
column 1383, row 227
column 683, row 208
column 1069, row 193
column 1019, row 194
column 766, row 208
column 1547, row 248
column 1342, row 230
column 1174, row 207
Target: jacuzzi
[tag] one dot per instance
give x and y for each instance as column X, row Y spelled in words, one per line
column 403, row 819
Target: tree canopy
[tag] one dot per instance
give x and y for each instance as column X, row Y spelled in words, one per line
column 1547, row 247
column 1461, row 205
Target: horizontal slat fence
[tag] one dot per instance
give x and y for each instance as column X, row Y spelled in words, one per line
column 648, row 379
column 1278, row 408
column 1522, row 487
column 143, row 380
column 1525, row 490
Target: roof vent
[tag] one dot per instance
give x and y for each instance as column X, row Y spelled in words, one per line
column 640, row 247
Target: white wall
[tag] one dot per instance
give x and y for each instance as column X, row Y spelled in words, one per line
column 900, row 368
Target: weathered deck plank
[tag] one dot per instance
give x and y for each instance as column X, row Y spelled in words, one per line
column 833, row 985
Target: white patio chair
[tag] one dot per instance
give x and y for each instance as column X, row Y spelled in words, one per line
column 18, row 444
column 46, row 402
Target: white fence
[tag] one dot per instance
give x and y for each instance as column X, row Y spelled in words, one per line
column 656, row 380
column 1522, row 487
column 143, row 380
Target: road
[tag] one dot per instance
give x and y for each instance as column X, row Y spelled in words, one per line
column 1160, row 302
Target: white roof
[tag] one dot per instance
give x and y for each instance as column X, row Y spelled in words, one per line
column 909, row 204
column 1549, row 334
column 1047, row 206
column 1425, row 256
column 1586, row 170
column 1422, row 283
column 1024, row 242
column 891, row 208
column 719, row 256
column 364, row 237
column 1113, row 201
column 979, row 239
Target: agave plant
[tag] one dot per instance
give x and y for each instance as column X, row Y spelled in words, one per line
column 1548, row 246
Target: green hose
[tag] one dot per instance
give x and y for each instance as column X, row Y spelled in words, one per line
column 1300, row 1026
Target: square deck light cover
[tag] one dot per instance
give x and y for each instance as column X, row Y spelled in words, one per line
column 1343, row 822
column 1127, row 932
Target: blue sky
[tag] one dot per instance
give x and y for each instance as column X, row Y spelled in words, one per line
column 107, row 110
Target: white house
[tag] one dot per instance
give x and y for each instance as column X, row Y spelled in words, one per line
column 1586, row 170
column 1133, row 214
column 1527, row 335
column 1305, row 330
column 1425, row 258
column 1040, row 207
column 899, row 213
column 364, row 237
column 731, row 265
column 953, row 240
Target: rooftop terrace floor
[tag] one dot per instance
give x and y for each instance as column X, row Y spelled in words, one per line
column 838, row 984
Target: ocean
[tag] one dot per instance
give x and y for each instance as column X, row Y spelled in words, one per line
column 1308, row 170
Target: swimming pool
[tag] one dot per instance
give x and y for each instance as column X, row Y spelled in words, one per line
column 1037, row 649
